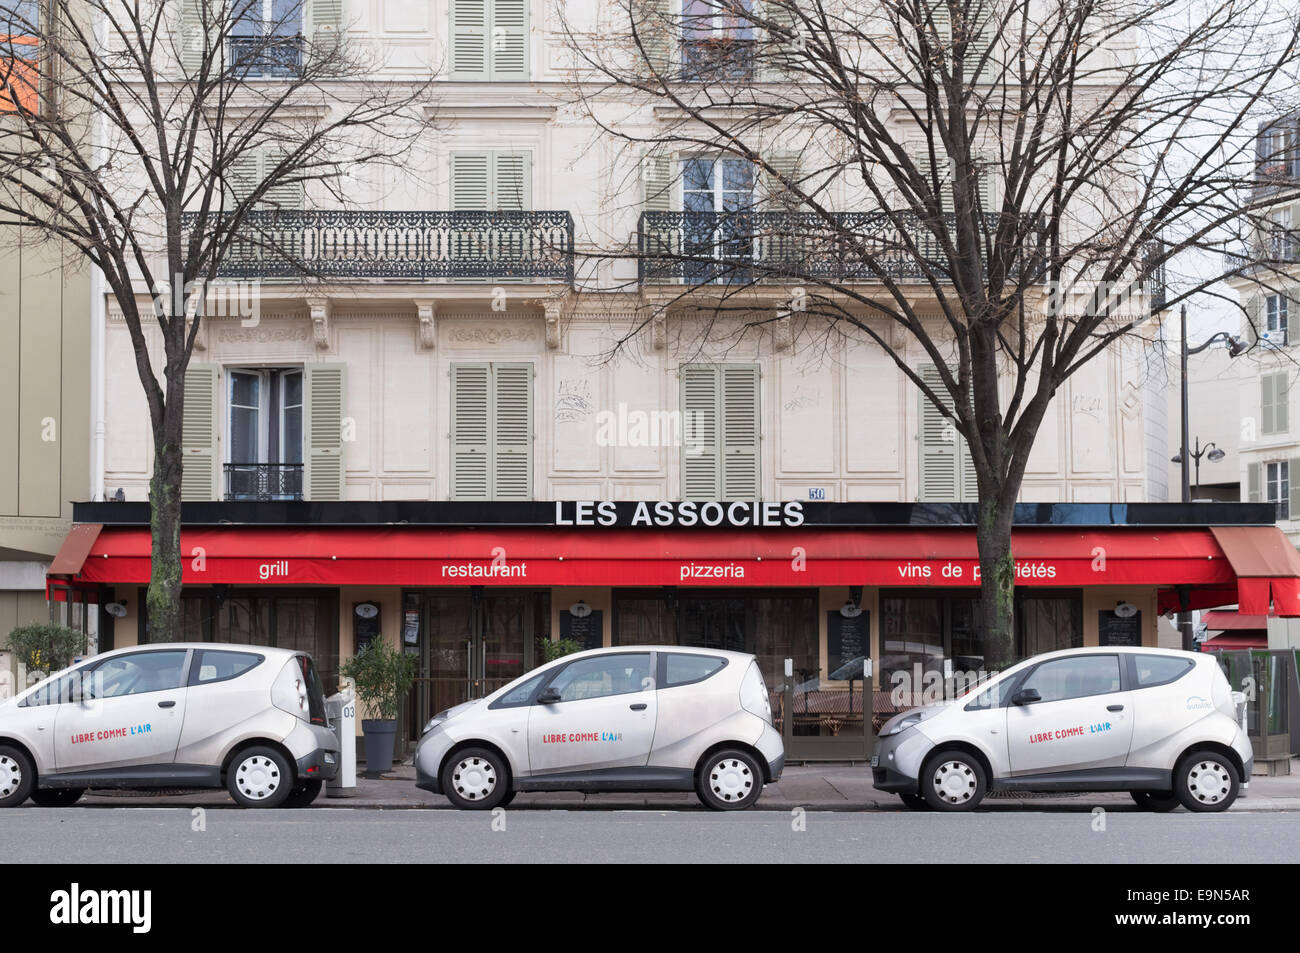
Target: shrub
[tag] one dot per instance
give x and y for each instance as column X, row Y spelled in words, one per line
column 46, row 646
column 382, row 675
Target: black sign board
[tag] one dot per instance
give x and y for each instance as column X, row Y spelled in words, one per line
column 364, row 630
column 848, row 642
column 1114, row 630
column 588, row 631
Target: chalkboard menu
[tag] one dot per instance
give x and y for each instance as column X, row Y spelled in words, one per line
column 364, row 631
column 848, row 642
column 589, row 631
column 1113, row 630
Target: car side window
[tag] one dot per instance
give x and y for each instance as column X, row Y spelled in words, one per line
column 1076, row 677
column 213, row 666
column 1153, row 670
column 136, row 674
column 604, row 675
column 995, row 696
column 521, row 694
column 682, row 669
column 55, row 691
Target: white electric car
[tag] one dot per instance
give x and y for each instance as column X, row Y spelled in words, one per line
column 632, row 718
column 203, row 715
column 1164, row 725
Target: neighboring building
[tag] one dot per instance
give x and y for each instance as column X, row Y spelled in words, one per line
column 421, row 438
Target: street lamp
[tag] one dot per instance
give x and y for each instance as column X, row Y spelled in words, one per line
column 1235, row 346
column 1209, row 450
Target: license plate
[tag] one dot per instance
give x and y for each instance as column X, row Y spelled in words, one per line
column 875, row 760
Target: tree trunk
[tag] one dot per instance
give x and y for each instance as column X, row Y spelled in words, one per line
column 997, row 584
column 163, row 602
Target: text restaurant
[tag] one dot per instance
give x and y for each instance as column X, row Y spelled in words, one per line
column 854, row 610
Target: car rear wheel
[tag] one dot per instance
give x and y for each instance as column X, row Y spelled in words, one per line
column 915, row 802
column 953, row 781
column 17, row 776
column 1157, row 803
column 57, row 797
column 729, row 781
column 1206, row 781
column 259, row 777
column 304, row 794
column 475, row 779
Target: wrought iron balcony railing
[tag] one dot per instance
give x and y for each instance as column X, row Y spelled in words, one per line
column 1269, row 248
column 413, row 246
column 729, row 247
column 263, row 481
column 266, row 55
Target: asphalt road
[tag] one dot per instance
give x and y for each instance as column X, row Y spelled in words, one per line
column 169, row 835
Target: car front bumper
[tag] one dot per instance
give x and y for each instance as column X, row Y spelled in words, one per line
column 896, row 763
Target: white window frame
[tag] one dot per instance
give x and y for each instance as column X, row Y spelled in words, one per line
column 1277, row 486
column 1276, row 308
column 264, row 377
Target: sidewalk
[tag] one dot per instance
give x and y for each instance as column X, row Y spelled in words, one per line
column 815, row 787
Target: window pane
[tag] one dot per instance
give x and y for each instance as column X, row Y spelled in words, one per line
column 520, row 694
column 602, row 676
column 212, row 666
column 681, row 669
column 137, row 673
column 1075, row 677
column 1159, row 669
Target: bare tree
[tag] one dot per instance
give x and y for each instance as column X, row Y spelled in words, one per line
column 159, row 139
column 1001, row 181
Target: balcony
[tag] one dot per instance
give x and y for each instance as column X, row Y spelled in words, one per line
column 408, row 246
column 266, row 55
column 741, row 247
column 263, row 482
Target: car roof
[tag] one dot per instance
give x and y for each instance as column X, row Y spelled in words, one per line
column 1115, row 649
column 267, row 650
column 684, row 649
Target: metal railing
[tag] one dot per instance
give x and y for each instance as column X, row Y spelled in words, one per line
column 264, row 481
column 474, row 245
column 266, row 55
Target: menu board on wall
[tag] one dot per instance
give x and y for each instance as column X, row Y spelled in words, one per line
column 365, row 624
column 588, row 631
column 848, row 642
column 1115, row 630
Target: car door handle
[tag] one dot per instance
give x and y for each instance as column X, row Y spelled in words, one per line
column 166, row 704
column 1114, row 707
column 639, row 706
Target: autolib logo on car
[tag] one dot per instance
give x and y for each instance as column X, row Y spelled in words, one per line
column 1197, row 703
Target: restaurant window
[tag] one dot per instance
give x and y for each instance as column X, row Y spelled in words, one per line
column 931, row 646
column 1048, row 620
column 264, row 434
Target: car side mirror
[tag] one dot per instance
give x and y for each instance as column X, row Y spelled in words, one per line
column 549, row 697
column 1026, row 696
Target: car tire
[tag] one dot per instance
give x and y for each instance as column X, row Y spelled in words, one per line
column 17, row 776
column 510, row 796
column 729, row 780
column 1206, row 781
column 304, row 794
column 953, row 780
column 57, row 797
column 915, row 802
column 475, row 779
column 259, row 777
column 1156, row 803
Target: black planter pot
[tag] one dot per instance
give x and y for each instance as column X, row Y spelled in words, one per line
column 380, row 737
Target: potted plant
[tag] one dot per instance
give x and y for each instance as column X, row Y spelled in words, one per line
column 557, row 648
column 46, row 646
column 382, row 674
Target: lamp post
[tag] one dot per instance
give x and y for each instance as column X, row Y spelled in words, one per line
column 1235, row 346
column 1209, row 450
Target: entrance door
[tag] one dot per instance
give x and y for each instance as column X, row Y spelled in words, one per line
column 471, row 642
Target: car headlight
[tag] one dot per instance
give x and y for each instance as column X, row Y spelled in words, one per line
column 910, row 720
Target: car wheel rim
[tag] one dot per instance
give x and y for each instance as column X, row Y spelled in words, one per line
column 731, row 780
column 954, row 782
column 258, row 778
column 1209, row 782
column 475, row 779
column 11, row 775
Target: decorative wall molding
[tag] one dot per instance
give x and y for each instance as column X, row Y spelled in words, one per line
column 320, row 322
column 553, row 332
column 493, row 334
column 427, row 312
column 263, row 334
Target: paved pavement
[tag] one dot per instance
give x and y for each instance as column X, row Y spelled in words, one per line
column 818, row 787
column 1200, row 844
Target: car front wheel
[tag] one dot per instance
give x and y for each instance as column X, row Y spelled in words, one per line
column 57, row 797
column 1206, row 781
column 953, row 781
column 729, row 781
column 17, row 776
column 475, row 779
column 1155, row 803
column 259, row 777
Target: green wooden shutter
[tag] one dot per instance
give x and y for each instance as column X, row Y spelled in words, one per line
column 1281, row 402
column 657, row 28
column 508, row 51
column 470, row 447
column 512, row 431
column 243, row 173
column 778, row 52
column 940, row 22
column 281, row 195
column 701, row 443
column 199, row 434
column 323, row 426
column 1293, row 500
column 194, row 40
column 942, row 466
column 740, row 432
column 471, row 181
column 1254, row 318
column 1267, row 423
column 659, row 181
column 512, row 181
column 469, row 39
column 1253, row 494
column 981, row 38
column 326, row 27
column 775, row 192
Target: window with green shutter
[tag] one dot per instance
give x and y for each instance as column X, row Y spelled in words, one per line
column 249, row 170
column 199, row 434
column 489, row 39
column 721, row 435
column 491, row 179
column 947, row 469
column 492, row 431
column 323, row 427
column 1274, row 416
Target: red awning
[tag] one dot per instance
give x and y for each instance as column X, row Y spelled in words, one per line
column 1226, row 620
column 1235, row 641
column 807, row 556
column 1266, row 564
